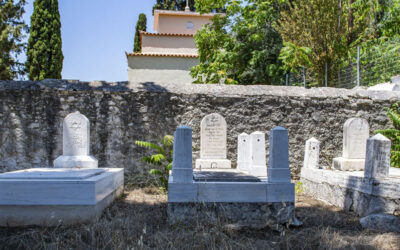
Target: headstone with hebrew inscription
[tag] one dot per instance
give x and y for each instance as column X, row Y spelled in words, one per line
column 76, row 143
column 213, row 143
column 355, row 136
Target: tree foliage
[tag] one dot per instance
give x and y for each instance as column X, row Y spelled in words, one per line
column 322, row 26
column 11, row 35
column 162, row 159
column 173, row 5
column 241, row 46
column 393, row 134
column 45, row 57
column 141, row 25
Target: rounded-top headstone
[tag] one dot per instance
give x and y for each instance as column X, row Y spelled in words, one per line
column 355, row 136
column 76, row 135
column 311, row 153
column 213, row 137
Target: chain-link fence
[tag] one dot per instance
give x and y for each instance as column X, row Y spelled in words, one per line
column 365, row 68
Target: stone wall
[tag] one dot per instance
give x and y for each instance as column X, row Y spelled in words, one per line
column 31, row 116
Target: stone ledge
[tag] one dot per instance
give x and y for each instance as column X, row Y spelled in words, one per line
column 250, row 192
column 352, row 192
column 208, row 89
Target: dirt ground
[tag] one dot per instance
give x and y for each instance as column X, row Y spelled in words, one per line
column 138, row 220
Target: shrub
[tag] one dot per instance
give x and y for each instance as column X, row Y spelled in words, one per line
column 393, row 134
column 162, row 159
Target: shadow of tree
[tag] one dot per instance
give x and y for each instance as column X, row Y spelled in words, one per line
column 139, row 220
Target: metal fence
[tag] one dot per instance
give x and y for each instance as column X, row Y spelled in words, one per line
column 364, row 69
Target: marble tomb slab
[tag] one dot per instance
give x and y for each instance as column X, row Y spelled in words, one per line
column 54, row 196
column 52, row 173
column 224, row 176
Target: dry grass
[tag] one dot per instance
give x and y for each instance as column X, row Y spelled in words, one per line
column 139, row 221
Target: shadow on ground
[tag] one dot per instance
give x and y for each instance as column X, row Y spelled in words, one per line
column 139, row 220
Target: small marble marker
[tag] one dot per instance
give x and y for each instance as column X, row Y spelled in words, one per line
column 213, row 143
column 258, row 165
column 278, row 168
column 311, row 154
column 76, row 143
column 243, row 157
column 355, row 135
column 182, row 170
column 377, row 162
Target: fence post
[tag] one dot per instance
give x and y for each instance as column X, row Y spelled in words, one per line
column 304, row 76
column 326, row 74
column 287, row 79
column 358, row 66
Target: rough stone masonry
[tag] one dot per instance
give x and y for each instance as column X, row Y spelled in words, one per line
column 31, row 115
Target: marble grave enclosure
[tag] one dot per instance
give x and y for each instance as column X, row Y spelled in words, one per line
column 74, row 191
column 234, row 190
column 372, row 189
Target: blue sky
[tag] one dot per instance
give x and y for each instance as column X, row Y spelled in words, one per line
column 96, row 34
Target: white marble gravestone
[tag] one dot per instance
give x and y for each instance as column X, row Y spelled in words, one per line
column 377, row 162
column 258, row 165
column 76, row 143
column 311, row 154
column 213, row 143
column 243, row 152
column 74, row 191
column 355, row 135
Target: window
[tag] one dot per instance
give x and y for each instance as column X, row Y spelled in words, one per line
column 189, row 25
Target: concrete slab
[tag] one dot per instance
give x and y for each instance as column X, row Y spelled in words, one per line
column 52, row 173
column 224, row 176
column 42, row 197
column 213, row 164
column 352, row 191
column 345, row 164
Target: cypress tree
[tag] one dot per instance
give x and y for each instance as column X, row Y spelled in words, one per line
column 140, row 26
column 11, row 34
column 45, row 57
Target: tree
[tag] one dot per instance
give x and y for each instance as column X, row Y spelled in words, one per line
column 173, row 5
column 241, row 47
column 11, row 34
column 140, row 26
column 45, row 57
column 322, row 27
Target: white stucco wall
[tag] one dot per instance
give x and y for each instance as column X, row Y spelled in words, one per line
column 175, row 70
column 178, row 24
column 168, row 44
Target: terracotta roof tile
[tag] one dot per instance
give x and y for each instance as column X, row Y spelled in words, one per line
column 164, row 34
column 162, row 55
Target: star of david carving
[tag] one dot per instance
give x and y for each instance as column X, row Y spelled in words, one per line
column 75, row 125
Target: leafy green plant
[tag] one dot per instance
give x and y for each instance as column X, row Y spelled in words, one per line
column 299, row 187
column 393, row 134
column 162, row 159
column 293, row 57
column 240, row 47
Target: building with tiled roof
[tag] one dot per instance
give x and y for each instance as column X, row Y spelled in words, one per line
column 168, row 54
